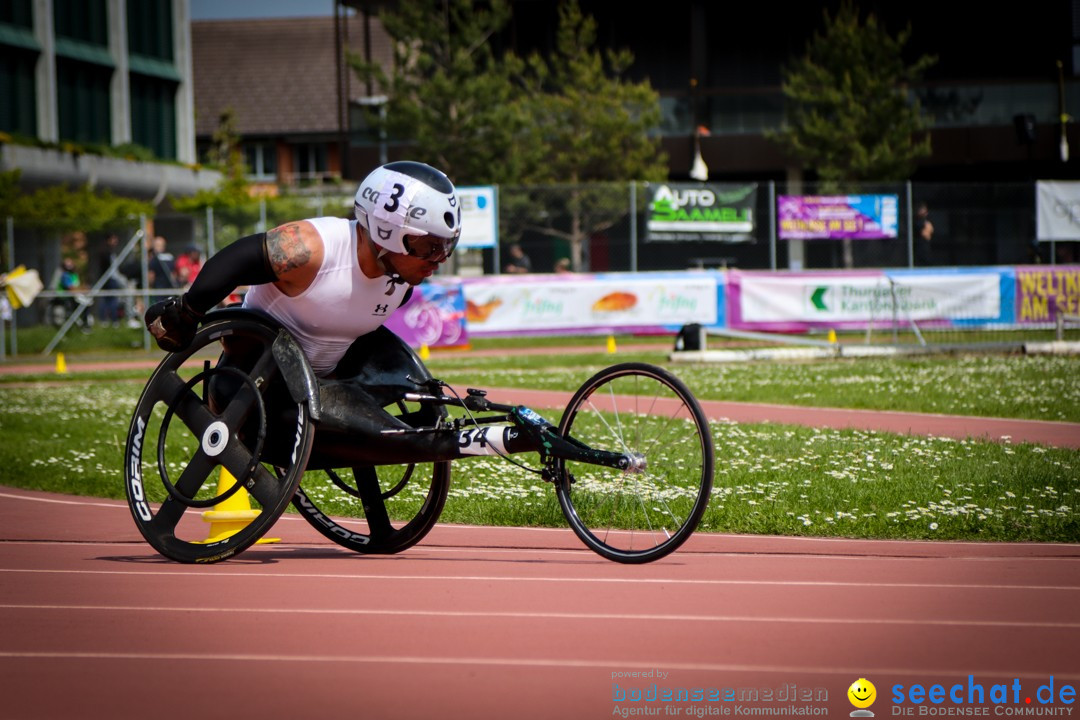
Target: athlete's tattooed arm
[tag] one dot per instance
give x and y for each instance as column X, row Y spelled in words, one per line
column 286, row 249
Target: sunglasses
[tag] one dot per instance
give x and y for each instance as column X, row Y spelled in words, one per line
column 429, row 247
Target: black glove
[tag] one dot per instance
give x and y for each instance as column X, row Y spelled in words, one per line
column 173, row 323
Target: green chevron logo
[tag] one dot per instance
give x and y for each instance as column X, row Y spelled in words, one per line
column 818, row 298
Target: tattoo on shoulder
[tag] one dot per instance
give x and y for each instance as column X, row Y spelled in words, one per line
column 286, row 248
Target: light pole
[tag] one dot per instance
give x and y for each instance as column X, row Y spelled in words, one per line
column 378, row 101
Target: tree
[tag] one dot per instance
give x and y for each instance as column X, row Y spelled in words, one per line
column 567, row 119
column 448, row 95
column 850, row 116
column 594, row 123
column 594, row 126
column 60, row 209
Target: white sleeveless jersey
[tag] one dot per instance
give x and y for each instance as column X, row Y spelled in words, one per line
column 340, row 305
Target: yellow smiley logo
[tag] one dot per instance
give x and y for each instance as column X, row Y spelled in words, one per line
column 862, row 693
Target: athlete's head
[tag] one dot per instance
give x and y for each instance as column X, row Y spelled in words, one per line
column 411, row 209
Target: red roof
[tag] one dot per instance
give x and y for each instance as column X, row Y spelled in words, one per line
column 278, row 75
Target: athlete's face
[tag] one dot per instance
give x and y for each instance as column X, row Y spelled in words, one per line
column 412, row 269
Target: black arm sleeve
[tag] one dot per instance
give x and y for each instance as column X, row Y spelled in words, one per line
column 245, row 262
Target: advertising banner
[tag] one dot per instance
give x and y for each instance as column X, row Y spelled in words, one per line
column 590, row 303
column 479, row 218
column 805, row 300
column 434, row 316
column 858, row 217
column 695, row 211
column 1057, row 211
column 1043, row 293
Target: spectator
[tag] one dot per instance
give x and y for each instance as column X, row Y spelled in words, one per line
column 562, row 267
column 66, row 280
column 68, row 277
column 923, row 231
column 188, row 266
column 519, row 262
column 161, row 266
column 109, row 305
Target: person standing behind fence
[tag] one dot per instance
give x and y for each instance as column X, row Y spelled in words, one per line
column 188, row 266
column 161, row 266
column 519, row 263
column 108, row 304
column 923, row 231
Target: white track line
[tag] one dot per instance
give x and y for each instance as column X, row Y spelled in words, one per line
column 456, row 526
column 207, row 574
column 521, row 615
column 558, row 663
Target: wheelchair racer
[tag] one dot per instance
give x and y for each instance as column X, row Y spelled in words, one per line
column 330, row 281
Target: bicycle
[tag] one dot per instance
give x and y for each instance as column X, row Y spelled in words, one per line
column 631, row 460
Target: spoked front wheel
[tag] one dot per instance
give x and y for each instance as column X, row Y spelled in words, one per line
column 646, row 512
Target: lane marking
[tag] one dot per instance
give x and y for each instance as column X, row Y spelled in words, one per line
column 560, row 663
column 417, row 553
column 784, row 538
column 524, row 578
column 522, row 615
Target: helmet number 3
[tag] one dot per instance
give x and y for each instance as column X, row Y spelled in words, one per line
column 393, row 203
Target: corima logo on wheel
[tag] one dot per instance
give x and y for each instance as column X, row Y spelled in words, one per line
column 307, row 506
column 135, row 472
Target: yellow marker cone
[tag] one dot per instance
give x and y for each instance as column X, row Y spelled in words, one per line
column 61, row 364
column 425, row 353
column 611, row 345
column 231, row 515
column 832, row 336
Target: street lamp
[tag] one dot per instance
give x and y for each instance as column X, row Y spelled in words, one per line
column 380, row 102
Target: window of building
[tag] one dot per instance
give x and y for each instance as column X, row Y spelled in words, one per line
column 309, row 160
column 82, row 95
column 82, row 20
column 150, row 29
column 153, row 114
column 18, row 106
column 18, row 13
column 261, row 160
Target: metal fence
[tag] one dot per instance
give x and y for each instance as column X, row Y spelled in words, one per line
column 974, row 224
column 603, row 228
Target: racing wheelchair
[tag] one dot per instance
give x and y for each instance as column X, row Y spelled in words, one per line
column 631, row 461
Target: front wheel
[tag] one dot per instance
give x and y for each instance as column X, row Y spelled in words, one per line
column 645, row 513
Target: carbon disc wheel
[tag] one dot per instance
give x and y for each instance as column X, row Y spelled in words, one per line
column 182, row 436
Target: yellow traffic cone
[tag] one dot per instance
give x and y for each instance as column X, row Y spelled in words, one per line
column 611, row 345
column 61, row 364
column 425, row 353
column 232, row 514
column 832, row 336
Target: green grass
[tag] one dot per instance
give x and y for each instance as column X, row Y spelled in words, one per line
column 68, row 436
column 1035, row 387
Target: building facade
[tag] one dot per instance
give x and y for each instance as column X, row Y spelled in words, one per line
column 99, row 72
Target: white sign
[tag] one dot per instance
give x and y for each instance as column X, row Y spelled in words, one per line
column 1057, row 210
column 869, row 298
column 479, row 217
column 589, row 303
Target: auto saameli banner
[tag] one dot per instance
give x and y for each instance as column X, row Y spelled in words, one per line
column 701, row 211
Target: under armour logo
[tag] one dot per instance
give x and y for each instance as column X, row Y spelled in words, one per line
column 381, row 309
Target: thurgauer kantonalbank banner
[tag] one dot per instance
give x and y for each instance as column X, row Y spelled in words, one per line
column 719, row 212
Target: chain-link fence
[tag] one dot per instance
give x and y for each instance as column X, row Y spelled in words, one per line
column 610, row 227
column 973, row 224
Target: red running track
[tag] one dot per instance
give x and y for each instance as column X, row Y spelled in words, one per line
column 512, row 623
